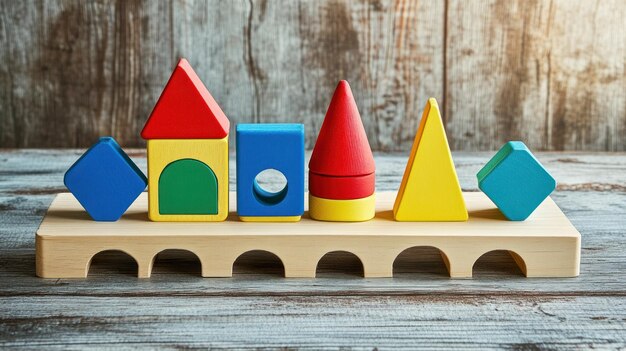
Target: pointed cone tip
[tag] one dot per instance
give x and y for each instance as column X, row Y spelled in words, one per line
column 343, row 97
column 344, row 88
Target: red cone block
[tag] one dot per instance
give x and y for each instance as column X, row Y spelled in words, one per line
column 342, row 165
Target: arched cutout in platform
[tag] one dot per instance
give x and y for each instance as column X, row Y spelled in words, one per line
column 259, row 262
column 425, row 260
column 112, row 261
column 176, row 261
column 499, row 263
column 339, row 264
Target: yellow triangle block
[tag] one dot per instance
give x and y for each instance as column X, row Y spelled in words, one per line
column 430, row 190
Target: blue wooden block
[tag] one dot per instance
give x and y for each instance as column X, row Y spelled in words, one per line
column 515, row 181
column 105, row 180
column 270, row 146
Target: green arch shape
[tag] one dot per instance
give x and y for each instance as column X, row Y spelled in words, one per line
column 187, row 186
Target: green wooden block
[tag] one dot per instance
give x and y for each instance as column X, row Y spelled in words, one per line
column 187, row 186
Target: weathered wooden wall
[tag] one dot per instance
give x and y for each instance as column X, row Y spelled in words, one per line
column 550, row 72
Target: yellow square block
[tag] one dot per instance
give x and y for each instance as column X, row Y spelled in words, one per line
column 212, row 152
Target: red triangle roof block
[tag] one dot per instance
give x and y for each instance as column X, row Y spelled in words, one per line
column 342, row 148
column 186, row 110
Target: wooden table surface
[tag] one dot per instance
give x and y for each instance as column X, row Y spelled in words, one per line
column 257, row 308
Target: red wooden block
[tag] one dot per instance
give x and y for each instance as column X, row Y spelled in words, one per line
column 342, row 148
column 186, row 110
column 341, row 188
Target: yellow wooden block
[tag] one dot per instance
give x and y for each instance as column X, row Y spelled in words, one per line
column 270, row 218
column 212, row 152
column 430, row 189
column 355, row 210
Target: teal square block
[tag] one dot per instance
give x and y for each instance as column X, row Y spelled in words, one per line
column 515, row 181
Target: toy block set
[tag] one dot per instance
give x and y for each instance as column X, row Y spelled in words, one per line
column 188, row 167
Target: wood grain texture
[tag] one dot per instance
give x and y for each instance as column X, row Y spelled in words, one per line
column 257, row 308
column 314, row 323
column 550, row 72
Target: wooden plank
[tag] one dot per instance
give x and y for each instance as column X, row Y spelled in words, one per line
column 427, row 321
column 77, row 64
column 73, row 71
column 551, row 73
column 545, row 245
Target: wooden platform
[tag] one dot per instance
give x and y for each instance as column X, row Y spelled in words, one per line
column 545, row 245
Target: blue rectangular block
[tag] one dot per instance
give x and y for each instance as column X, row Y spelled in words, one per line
column 515, row 181
column 270, row 146
column 105, row 180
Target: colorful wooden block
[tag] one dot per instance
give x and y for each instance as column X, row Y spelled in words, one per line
column 187, row 135
column 515, row 181
column 188, row 186
column 186, row 110
column 430, row 189
column 355, row 210
column 285, row 219
column 342, row 170
column 188, row 180
column 342, row 130
column 342, row 165
column 270, row 146
column 105, row 180
column 337, row 187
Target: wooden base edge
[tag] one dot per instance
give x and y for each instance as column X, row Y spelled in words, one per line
column 548, row 246
column 67, row 258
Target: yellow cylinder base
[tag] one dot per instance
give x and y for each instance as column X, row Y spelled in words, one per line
column 356, row 210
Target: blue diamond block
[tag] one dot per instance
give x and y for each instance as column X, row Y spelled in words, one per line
column 270, row 146
column 105, row 180
column 515, row 181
